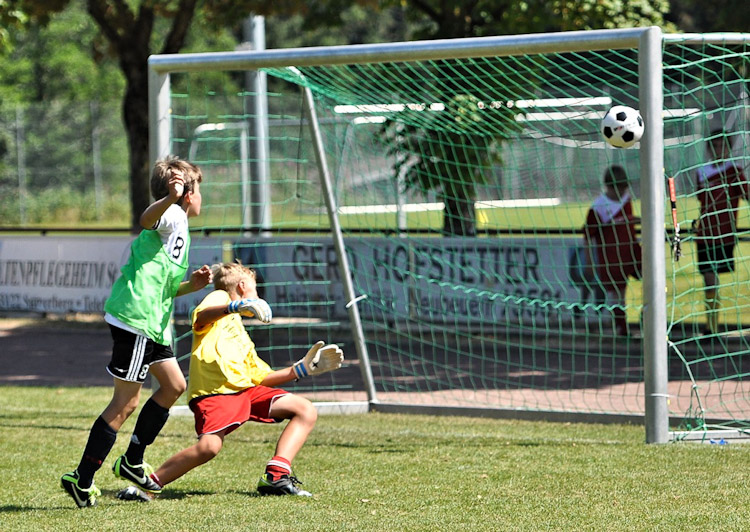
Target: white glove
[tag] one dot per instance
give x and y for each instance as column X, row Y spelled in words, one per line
column 319, row 359
column 253, row 308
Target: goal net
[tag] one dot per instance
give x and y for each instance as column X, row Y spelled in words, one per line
column 491, row 268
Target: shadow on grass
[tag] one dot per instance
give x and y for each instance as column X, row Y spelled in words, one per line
column 253, row 494
column 32, row 425
column 12, row 508
column 111, row 496
column 176, row 495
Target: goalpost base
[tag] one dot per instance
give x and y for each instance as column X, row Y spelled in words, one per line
column 718, row 437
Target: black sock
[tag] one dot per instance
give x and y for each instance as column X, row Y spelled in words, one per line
column 150, row 422
column 101, row 439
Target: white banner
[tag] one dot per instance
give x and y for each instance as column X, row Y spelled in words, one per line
column 438, row 279
column 59, row 274
column 75, row 274
column 445, row 279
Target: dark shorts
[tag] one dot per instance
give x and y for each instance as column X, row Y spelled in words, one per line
column 133, row 354
column 716, row 258
column 214, row 413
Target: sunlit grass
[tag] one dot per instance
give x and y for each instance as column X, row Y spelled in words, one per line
column 375, row 472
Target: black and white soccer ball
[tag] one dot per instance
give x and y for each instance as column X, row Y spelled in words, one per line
column 622, row 126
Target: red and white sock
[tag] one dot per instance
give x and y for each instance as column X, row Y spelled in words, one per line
column 278, row 466
column 156, row 479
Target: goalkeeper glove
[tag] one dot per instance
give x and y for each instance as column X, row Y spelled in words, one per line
column 319, row 359
column 253, row 308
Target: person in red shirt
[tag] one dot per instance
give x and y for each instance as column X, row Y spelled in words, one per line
column 720, row 185
column 612, row 242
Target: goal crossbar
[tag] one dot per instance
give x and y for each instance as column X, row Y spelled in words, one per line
column 498, row 46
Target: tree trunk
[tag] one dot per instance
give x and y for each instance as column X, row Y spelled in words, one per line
column 130, row 36
column 134, row 64
column 135, row 117
column 459, row 217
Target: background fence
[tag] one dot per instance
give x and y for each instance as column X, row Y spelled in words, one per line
column 63, row 163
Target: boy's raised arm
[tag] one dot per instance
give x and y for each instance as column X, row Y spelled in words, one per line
column 154, row 212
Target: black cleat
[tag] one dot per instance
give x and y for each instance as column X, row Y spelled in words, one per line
column 138, row 475
column 82, row 497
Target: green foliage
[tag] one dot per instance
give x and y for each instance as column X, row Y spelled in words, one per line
column 66, row 206
column 449, row 151
column 377, row 472
column 67, row 157
column 718, row 15
column 53, row 62
column 356, row 24
column 55, row 101
column 20, row 14
column 436, row 19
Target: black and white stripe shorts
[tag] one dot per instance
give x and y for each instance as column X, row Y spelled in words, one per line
column 133, row 354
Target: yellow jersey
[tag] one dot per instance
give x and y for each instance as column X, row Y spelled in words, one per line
column 223, row 359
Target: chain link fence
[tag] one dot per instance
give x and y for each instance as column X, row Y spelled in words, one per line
column 63, row 164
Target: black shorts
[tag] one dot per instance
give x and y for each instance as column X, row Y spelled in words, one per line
column 716, row 258
column 133, row 354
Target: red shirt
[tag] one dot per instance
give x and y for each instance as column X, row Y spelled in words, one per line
column 720, row 187
column 610, row 226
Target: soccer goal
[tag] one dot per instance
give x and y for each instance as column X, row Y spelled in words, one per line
column 423, row 203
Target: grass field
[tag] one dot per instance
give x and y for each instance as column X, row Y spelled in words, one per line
column 378, row 472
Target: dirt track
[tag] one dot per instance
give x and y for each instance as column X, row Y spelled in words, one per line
column 74, row 352
column 54, row 353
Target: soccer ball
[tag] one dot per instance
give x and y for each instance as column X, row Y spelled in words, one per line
column 622, row 126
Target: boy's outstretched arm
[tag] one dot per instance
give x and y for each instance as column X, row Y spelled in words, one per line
column 209, row 315
column 279, row 377
column 319, row 359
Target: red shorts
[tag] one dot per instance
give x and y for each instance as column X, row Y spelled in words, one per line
column 215, row 413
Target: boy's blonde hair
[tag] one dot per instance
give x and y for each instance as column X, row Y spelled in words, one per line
column 228, row 275
column 163, row 171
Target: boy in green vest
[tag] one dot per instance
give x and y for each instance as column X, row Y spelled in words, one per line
column 138, row 312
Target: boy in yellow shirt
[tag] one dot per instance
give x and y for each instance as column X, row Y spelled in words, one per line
column 230, row 384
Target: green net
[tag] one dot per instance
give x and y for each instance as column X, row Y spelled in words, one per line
column 463, row 188
column 706, row 154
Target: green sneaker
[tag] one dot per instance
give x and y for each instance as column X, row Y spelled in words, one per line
column 138, row 475
column 82, row 497
column 286, row 485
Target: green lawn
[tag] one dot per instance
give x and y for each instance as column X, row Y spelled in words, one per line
column 378, row 472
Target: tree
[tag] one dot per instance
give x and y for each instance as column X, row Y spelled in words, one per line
column 129, row 34
column 435, row 19
column 452, row 158
column 134, row 30
column 718, row 15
